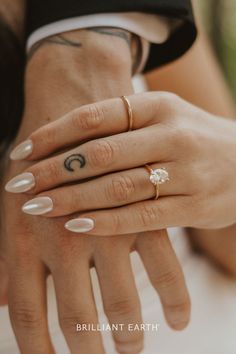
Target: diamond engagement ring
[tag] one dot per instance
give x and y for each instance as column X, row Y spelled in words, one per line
column 157, row 177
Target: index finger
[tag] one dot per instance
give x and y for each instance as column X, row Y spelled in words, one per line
column 99, row 119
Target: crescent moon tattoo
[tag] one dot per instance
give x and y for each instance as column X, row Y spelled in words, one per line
column 76, row 157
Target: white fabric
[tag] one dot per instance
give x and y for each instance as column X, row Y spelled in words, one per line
column 153, row 28
column 150, row 28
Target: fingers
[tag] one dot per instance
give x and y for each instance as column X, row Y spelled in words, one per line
column 109, row 191
column 28, row 309
column 76, row 307
column 138, row 217
column 120, row 298
column 95, row 158
column 91, row 121
column 166, row 276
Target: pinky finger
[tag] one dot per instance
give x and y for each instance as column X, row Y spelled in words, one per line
column 134, row 218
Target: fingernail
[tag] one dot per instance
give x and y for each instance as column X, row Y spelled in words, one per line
column 178, row 320
column 80, row 225
column 21, row 183
column 22, row 150
column 129, row 348
column 38, row 206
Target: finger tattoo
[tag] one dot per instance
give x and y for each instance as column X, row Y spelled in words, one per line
column 75, row 157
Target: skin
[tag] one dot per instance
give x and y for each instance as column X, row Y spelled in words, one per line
column 167, row 132
column 217, row 245
column 34, row 248
column 13, row 13
column 218, row 255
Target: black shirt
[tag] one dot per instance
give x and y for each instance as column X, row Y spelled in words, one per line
column 43, row 12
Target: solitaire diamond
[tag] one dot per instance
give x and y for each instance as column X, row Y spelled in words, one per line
column 159, row 176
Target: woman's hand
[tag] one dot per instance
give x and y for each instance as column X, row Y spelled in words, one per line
column 35, row 247
column 197, row 150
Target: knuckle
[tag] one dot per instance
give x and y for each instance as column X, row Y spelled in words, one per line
column 74, row 201
column 25, row 316
column 167, row 279
column 88, row 117
column 48, row 134
column 116, row 225
column 171, row 97
column 197, row 178
column 69, row 321
column 182, row 307
column 166, row 100
column 102, row 153
column 121, row 307
column 50, row 171
column 148, row 215
column 185, row 139
column 120, row 189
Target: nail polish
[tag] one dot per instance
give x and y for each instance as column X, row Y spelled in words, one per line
column 21, row 183
column 22, row 150
column 38, row 206
column 80, row 225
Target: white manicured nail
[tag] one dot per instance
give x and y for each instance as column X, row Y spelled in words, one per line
column 38, row 206
column 21, row 183
column 80, row 225
column 22, row 150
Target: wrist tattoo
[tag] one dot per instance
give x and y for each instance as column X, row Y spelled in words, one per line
column 115, row 32
column 75, row 157
column 63, row 40
column 132, row 40
column 58, row 40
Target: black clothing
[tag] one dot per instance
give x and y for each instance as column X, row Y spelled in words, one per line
column 42, row 12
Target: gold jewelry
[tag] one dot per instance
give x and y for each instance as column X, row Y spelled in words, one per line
column 130, row 112
column 157, row 177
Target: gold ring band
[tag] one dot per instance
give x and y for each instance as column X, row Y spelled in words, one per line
column 130, row 112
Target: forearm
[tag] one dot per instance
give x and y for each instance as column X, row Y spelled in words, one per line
column 13, row 13
column 219, row 245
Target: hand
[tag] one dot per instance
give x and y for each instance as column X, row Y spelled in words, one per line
column 33, row 247
column 197, row 149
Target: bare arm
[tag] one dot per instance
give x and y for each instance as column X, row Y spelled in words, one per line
column 13, row 12
column 197, row 78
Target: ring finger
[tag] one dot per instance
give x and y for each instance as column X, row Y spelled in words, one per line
column 96, row 158
column 109, row 191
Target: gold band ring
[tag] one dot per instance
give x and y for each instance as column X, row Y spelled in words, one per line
column 130, row 112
